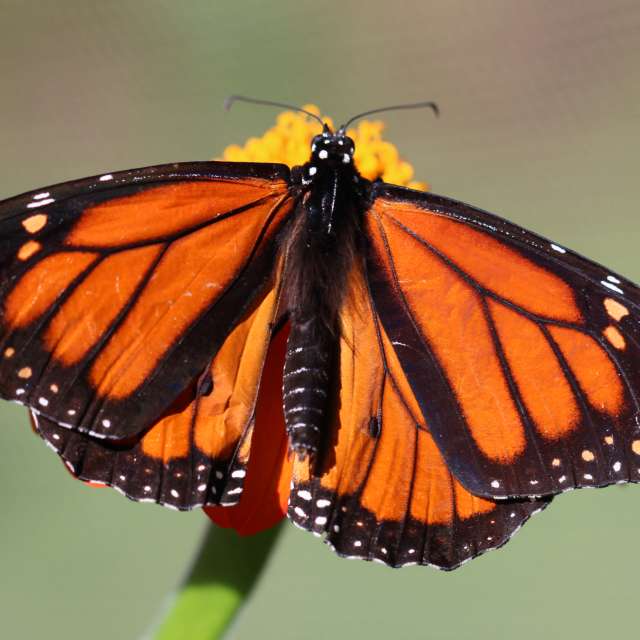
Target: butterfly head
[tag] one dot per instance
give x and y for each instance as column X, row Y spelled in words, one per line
column 331, row 149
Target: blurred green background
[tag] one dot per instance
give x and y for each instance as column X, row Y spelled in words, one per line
column 540, row 123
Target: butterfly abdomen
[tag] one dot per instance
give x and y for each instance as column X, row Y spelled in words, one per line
column 305, row 386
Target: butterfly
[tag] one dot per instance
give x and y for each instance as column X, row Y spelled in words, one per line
column 404, row 374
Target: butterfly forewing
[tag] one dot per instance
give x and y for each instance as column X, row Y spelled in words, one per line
column 118, row 290
column 523, row 357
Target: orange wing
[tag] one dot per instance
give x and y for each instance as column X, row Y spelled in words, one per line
column 118, row 290
column 523, row 357
column 197, row 453
column 381, row 489
column 137, row 310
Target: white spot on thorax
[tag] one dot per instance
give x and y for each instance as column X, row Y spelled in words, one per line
column 323, row 155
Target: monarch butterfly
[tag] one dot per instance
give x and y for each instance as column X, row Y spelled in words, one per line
column 424, row 374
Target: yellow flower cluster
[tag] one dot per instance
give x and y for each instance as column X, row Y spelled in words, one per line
column 289, row 141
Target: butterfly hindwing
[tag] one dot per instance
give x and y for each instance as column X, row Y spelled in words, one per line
column 197, row 453
column 380, row 489
column 523, row 356
column 118, row 290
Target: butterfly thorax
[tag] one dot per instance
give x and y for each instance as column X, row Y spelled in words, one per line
column 330, row 174
column 320, row 250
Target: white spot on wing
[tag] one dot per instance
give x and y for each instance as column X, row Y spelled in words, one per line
column 611, row 286
column 558, row 248
column 40, row 203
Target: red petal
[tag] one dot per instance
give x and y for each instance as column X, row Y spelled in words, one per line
column 266, row 488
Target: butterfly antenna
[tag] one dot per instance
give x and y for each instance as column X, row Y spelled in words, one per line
column 228, row 103
column 417, row 105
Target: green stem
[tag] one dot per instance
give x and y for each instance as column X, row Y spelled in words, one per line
column 224, row 572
